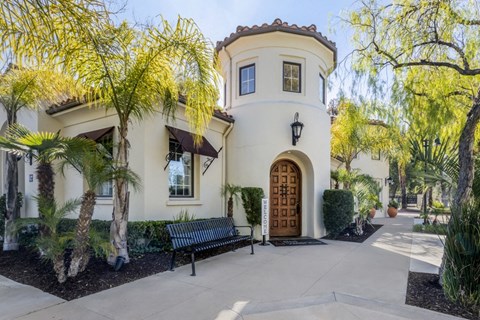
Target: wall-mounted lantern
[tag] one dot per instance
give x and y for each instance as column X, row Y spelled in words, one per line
column 297, row 128
column 388, row 181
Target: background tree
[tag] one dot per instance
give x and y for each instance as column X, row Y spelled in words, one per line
column 140, row 72
column 353, row 133
column 22, row 88
column 432, row 47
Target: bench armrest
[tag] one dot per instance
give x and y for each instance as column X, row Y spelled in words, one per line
column 251, row 229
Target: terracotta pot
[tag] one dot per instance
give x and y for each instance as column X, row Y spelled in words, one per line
column 372, row 213
column 392, row 212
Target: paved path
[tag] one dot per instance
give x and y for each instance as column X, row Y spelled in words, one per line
column 340, row 280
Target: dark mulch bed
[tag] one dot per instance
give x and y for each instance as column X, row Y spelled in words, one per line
column 348, row 234
column 424, row 291
column 26, row 267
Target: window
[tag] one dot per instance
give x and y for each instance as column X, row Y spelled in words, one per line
column 247, row 79
column 291, row 77
column 105, row 144
column 225, row 94
column 376, row 155
column 321, row 88
column 180, row 171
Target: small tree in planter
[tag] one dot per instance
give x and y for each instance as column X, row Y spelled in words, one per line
column 231, row 192
column 252, row 203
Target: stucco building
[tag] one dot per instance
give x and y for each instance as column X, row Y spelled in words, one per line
column 274, row 75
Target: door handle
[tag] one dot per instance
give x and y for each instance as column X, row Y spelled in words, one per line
column 298, row 207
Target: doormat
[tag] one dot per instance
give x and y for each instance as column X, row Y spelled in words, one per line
column 296, row 242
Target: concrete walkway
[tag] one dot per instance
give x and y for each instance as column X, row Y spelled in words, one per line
column 340, row 280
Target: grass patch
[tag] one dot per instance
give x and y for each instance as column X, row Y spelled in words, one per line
column 440, row 229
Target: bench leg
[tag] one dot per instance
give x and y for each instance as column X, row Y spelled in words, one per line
column 192, row 257
column 251, row 244
column 172, row 262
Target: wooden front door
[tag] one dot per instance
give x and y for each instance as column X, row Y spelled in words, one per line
column 285, row 199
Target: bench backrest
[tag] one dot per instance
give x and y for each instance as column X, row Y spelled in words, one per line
column 187, row 233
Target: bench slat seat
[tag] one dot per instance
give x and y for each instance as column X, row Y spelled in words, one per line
column 196, row 236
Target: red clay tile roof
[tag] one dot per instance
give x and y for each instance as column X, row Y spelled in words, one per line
column 71, row 103
column 278, row 25
column 64, row 105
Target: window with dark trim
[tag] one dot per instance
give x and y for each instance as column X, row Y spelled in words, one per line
column 180, row 171
column 376, row 155
column 292, row 74
column 247, row 79
column 105, row 146
column 321, row 88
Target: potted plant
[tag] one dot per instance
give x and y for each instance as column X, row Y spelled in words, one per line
column 374, row 204
column 392, row 208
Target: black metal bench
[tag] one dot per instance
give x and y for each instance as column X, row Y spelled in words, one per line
column 196, row 236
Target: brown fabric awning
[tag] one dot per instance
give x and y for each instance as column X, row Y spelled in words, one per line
column 96, row 134
column 185, row 139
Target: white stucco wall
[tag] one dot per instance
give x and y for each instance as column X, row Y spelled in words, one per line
column 378, row 169
column 149, row 147
column 262, row 132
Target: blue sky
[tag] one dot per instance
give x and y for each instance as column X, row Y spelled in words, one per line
column 218, row 18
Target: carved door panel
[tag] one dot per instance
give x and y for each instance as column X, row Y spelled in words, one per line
column 285, row 199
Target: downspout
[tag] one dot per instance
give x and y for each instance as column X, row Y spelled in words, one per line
column 229, row 78
column 224, row 163
column 228, row 130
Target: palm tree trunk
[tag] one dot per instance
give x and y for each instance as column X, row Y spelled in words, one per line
column 12, row 212
column 402, row 178
column 230, row 207
column 118, row 228
column 59, row 268
column 80, row 254
column 10, row 241
column 348, row 167
column 46, row 188
column 46, row 182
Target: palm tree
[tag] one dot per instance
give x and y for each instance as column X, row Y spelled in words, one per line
column 48, row 30
column 22, row 88
column 52, row 244
column 231, row 192
column 138, row 73
column 97, row 168
column 44, row 148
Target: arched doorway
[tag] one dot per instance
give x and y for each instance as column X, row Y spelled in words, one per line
column 285, row 199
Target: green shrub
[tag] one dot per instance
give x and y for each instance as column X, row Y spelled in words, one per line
column 461, row 278
column 252, row 203
column 143, row 236
column 183, row 216
column 337, row 210
column 439, row 229
column 148, row 236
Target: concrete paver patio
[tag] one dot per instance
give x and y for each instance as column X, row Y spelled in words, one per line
column 338, row 281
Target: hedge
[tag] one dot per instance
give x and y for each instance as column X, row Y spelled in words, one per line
column 337, row 210
column 252, row 203
column 143, row 236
